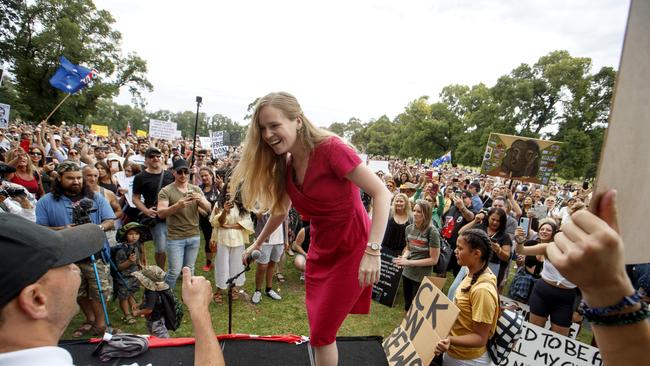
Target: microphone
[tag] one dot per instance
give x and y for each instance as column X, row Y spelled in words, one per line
column 255, row 254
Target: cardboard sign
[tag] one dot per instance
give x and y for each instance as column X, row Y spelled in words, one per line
column 99, row 130
column 429, row 320
column 162, row 129
column 141, row 133
column 205, row 142
column 4, row 115
column 377, row 165
column 625, row 147
column 527, row 159
column 524, row 310
column 538, row 346
column 385, row 290
column 219, row 150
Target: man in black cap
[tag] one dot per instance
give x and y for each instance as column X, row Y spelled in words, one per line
column 39, row 283
column 148, row 183
column 179, row 204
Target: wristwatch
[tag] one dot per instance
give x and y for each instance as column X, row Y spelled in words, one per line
column 374, row 246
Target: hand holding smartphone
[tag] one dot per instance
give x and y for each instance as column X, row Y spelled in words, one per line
column 524, row 223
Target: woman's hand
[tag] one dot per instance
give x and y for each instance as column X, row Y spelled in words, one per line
column 443, row 346
column 495, row 247
column 369, row 269
column 401, row 261
column 520, row 235
column 247, row 253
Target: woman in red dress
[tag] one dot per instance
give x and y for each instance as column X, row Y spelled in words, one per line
column 288, row 161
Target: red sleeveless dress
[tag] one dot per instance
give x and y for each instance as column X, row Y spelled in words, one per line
column 339, row 235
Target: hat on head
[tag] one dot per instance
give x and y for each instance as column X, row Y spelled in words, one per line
column 57, row 137
column 120, row 235
column 476, row 185
column 408, row 185
column 30, row 250
column 180, row 164
column 152, row 150
column 152, row 278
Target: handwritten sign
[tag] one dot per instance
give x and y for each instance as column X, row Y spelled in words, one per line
column 162, row 129
column 4, row 115
column 205, row 142
column 529, row 160
column 219, row 150
column 429, row 320
column 524, row 310
column 539, row 346
column 385, row 290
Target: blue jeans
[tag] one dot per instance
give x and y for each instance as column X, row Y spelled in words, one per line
column 159, row 234
column 181, row 253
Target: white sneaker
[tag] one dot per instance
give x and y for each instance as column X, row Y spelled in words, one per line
column 302, row 277
column 257, row 297
column 274, row 295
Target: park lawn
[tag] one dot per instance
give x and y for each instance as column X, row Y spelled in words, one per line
column 270, row 317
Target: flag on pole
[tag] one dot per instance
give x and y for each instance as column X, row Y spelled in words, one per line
column 128, row 127
column 446, row 158
column 71, row 78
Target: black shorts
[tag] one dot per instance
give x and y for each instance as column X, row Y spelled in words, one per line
column 547, row 300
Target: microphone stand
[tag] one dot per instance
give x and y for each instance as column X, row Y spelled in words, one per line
column 231, row 286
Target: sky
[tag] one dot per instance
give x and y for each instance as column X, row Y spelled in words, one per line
column 352, row 58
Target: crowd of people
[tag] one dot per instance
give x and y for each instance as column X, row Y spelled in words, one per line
column 137, row 189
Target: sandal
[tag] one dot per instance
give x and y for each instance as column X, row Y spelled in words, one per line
column 83, row 329
column 280, row 277
column 217, row 298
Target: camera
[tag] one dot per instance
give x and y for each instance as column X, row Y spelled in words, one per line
column 82, row 210
column 13, row 192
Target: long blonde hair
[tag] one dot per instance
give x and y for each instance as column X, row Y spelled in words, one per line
column 407, row 205
column 261, row 174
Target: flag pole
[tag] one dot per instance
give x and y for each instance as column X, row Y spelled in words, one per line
column 199, row 100
column 57, row 107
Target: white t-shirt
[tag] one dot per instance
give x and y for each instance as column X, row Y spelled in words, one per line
column 46, row 356
column 276, row 237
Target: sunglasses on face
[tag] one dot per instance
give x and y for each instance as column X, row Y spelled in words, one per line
column 201, row 156
column 72, row 153
column 35, row 153
column 155, row 156
column 183, row 172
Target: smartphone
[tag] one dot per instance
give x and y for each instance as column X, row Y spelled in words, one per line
column 429, row 174
column 458, row 194
column 435, row 189
column 524, row 223
column 48, row 159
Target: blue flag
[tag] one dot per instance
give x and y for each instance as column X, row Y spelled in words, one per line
column 71, row 78
column 441, row 160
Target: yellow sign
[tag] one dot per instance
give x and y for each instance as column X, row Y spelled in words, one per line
column 141, row 133
column 99, row 130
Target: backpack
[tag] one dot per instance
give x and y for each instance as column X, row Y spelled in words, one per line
column 445, row 253
column 510, row 325
column 172, row 309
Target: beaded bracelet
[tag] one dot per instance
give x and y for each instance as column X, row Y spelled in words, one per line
column 621, row 319
column 627, row 301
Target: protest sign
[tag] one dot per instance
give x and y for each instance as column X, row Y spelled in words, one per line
column 429, row 320
column 162, row 129
column 205, row 142
column 527, row 159
column 364, row 158
column 524, row 310
column 141, row 133
column 99, row 130
column 385, row 290
column 377, row 165
column 178, row 134
column 219, row 150
column 538, row 346
column 4, row 115
column 625, row 147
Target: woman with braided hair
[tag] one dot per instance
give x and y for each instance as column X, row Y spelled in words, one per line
column 477, row 299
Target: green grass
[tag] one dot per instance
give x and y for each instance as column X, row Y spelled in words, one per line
column 273, row 317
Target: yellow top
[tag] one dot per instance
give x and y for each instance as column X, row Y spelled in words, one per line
column 232, row 237
column 478, row 305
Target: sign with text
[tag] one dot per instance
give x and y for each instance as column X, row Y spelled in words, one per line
column 4, row 115
column 429, row 320
column 527, row 159
column 524, row 310
column 162, row 129
column 205, row 142
column 539, row 346
column 377, row 165
column 141, row 133
column 219, row 150
column 385, row 290
column 99, row 130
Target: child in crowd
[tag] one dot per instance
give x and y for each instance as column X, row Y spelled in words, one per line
column 129, row 257
column 152, row 279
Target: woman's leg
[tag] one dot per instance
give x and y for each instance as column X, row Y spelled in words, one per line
column 221, row 266
column 326, row 355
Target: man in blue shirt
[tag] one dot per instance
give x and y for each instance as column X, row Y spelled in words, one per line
column 477, row 204
column 69, row 204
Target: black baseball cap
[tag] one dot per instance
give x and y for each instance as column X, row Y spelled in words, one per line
column 180, row 164
column 152, row 150
column 30, row 250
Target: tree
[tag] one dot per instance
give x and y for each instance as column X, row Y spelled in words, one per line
column 47, row 29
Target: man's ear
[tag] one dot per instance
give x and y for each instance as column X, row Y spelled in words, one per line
column 32, row 301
